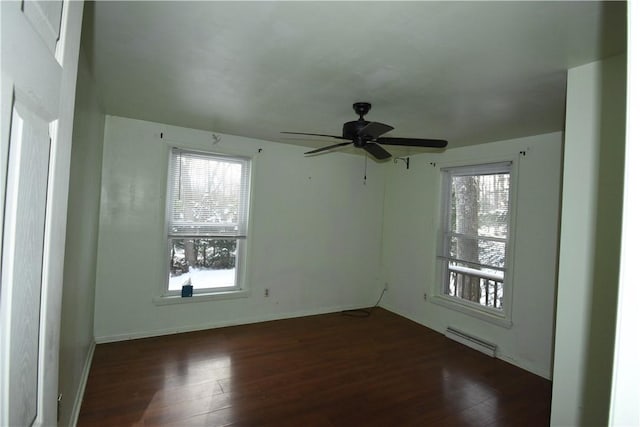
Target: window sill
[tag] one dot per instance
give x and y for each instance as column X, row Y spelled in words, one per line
column 471, row 310
column 212, row 296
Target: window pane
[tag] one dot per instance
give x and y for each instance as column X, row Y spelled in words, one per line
column 209, row 195
column 480, row 205
column 483, row 286
column 478, row 250
column 205, row 263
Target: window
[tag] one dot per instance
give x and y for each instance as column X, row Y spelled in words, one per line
column 475, row 238
column 207, row 216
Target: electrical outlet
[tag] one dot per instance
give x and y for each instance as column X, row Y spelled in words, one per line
column 266, row 292
column 424, row 296
column 386, row 286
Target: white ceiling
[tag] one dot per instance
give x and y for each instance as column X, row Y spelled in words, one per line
column 468, row 72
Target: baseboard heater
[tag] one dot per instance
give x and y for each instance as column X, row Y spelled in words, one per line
column 471, row 341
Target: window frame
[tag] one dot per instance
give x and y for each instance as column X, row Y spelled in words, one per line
column 242, row 243
column 438, row 296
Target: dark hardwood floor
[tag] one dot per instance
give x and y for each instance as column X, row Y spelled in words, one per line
column 327, row 370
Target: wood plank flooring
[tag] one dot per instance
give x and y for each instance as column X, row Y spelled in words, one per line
column 327, row 370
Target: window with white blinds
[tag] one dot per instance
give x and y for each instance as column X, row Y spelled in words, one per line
column 209, row 195
column 475, row 232
column 207, row 221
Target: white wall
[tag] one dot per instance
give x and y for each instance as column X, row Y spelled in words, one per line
column 314, row 241
column 411, row 223
column 590, row 243
column 76, row 333
column 625, row 390
column 316, row 238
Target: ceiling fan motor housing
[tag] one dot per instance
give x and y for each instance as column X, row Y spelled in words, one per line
column 350, row 130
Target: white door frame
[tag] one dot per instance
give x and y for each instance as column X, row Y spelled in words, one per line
column 625, row 387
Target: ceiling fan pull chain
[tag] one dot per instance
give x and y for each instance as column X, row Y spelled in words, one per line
column 365, row 170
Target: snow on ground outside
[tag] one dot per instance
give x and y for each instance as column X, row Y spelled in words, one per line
column 204, row 278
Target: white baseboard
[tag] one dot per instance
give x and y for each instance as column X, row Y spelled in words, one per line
column 220, row 324
column 394, row 310
column 525, row 365
column 522, row 364
column 77, row 403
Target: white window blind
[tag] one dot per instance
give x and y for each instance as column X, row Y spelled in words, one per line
column 208, row 195
column 478, row 214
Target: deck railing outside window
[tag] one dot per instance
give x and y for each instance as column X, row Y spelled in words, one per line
column 477, row 286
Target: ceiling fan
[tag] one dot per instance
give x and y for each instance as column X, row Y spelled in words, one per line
column 366, row 135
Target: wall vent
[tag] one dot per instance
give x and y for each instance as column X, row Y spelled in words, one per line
column 471, row 341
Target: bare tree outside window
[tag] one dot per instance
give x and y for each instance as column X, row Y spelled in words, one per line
column 464, row 204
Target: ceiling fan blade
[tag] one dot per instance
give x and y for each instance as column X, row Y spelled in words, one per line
column 413, row 142
column 328, row 148
column 315, row 134
column 376, row 151
column 374, row 130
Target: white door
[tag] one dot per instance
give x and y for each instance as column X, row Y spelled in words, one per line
column 40, row 45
